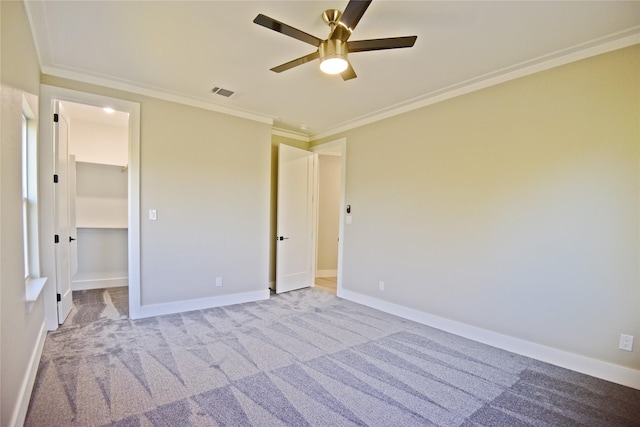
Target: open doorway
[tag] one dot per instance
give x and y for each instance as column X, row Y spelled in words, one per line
column 110, row 223
column 330, row 196
column 329, row 178
column 98, row 150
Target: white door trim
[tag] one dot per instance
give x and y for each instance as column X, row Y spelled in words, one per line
column 46, row 197
column 334, row 147
column 61, row 213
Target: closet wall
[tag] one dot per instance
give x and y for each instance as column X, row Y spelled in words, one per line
column 101, row 156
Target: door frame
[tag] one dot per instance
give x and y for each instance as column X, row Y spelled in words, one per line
column 332, row 147
column 48, row 95
column 61, row 212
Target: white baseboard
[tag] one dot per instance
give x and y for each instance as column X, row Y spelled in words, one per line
column 83, row 285
column 201, row 303
column 22, row 405
column 575, row 362
column 326, row 273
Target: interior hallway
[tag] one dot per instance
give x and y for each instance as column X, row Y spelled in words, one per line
column 329, row 284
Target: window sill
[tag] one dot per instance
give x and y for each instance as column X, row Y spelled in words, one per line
column 34, row 289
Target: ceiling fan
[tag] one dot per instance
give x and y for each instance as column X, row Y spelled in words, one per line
column 333, row 51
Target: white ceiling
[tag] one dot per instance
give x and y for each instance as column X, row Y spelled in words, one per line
column 181, row 50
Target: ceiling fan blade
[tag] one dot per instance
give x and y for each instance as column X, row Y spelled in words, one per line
column 302, row 60
column 353, row 12
column 349, row 73
column 381, row 44
column 287, row 30
column 349, row 19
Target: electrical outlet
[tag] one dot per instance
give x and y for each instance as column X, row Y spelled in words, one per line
column 626, row 342
column 218, row 281
column 381, row 285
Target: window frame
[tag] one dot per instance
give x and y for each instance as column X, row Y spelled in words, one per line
column 29, row 181
column 25, row 197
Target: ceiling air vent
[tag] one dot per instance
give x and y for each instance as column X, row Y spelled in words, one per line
column 226, row 93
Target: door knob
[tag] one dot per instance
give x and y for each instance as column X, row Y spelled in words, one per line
column 283, row 238
column 71, row 239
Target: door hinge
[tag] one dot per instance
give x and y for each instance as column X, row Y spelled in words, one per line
column 55, row 178
column 56, row 118
column 56, row 239
column 59, row 297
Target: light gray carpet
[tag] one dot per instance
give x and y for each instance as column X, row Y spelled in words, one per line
column 94, row 304
column 304, row 358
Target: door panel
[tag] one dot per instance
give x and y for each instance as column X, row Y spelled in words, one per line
column 294, row 254
column 61, row 197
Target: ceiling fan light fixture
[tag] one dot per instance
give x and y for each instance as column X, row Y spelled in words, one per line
column 333, row 56
column 334, row 65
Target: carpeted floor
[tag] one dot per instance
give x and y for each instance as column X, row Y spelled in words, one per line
column 95, row 304
column 303, row 358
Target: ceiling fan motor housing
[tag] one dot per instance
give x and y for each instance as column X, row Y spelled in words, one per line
column 333, row 49
column 333, row 56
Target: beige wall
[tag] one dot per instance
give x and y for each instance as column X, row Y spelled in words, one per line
column 329, row 172
column 513, row 209
column 101, row 196
column 99, row 143
column 207, row 174
column 20, row 68
column 101, row 218
column 21, row 330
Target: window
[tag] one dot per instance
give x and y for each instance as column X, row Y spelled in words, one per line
column 25, row 197
column 33, row 282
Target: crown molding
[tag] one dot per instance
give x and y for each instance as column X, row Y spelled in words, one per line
column 576, row 53
column 290, row 134
column 155, row 93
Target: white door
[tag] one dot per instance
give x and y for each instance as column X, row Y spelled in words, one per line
column 61, row 200
column 295, row 239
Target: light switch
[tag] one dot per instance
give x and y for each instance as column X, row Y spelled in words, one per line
column 153, row 214
column 348, row 219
